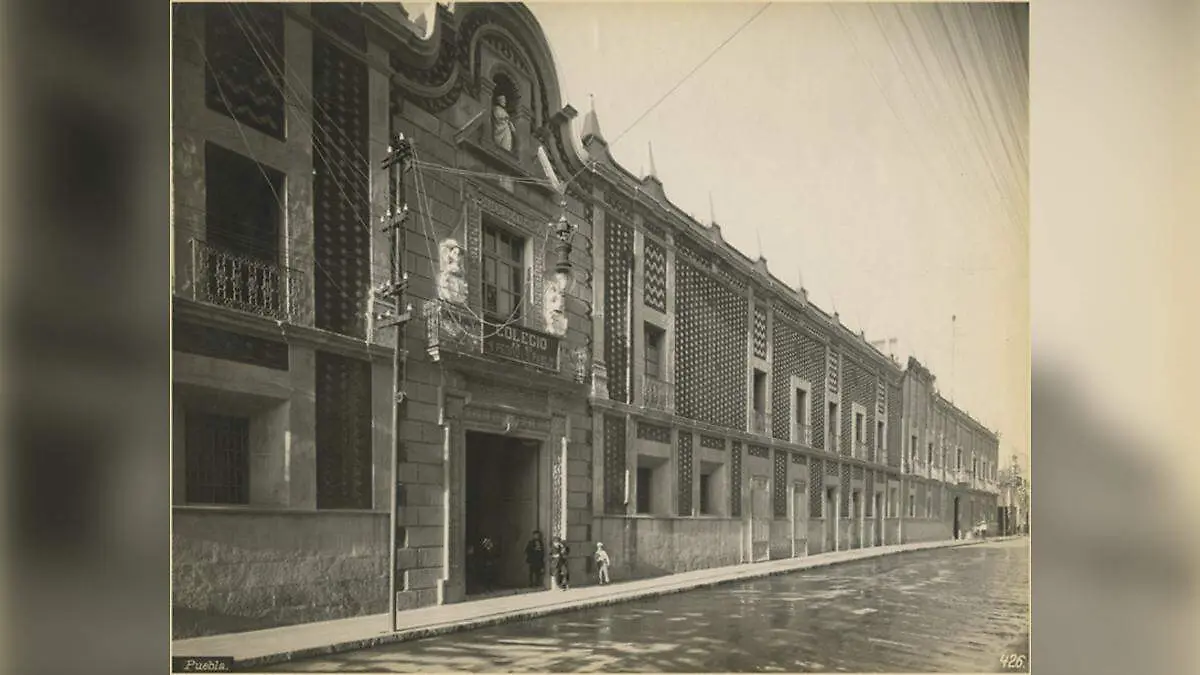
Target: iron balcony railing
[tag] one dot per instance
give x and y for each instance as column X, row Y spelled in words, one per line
column 229, row 279
column 802, row 433
column 760, row 423
column 658, row 394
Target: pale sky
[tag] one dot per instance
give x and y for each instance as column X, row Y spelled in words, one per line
column 880, row 153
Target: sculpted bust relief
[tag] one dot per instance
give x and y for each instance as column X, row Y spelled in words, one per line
column 503, row 128
column 554, row 307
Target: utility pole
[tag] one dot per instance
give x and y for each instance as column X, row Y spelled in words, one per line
column 390, row 297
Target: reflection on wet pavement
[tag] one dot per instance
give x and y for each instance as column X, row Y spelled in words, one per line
column 948, row 610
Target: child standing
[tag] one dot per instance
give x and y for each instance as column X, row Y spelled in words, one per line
column 602, row 563
column 558, row 554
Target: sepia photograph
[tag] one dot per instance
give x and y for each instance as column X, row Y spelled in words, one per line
column 600, row 337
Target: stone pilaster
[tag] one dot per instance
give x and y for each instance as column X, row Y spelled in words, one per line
column 637, row 328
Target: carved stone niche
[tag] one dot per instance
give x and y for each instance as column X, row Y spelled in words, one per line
column 505, row 71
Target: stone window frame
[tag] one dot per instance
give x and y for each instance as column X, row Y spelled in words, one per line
column 859, row 447
column 797, row 383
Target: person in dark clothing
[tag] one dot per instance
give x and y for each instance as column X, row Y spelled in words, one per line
column 535, row 557
column 558, row 553
column 487, row 563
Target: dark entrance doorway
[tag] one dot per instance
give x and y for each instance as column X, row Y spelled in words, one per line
column 956, row 530
column 831, row 519
column 502, row 505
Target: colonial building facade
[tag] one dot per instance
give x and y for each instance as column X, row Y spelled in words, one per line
column 584, row 359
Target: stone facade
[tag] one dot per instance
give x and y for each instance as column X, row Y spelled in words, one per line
column 678, row 402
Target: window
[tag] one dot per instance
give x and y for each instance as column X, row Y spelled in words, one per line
column 912, row 506
column 706, row 494
column 929, row 455
column 218, row 459
column 760, row 391
column 241, row 203
column 800, row 414
column 860, row 428
column 654, row 356
column 503, row 273
column 928, row 505
column 833, row 432
column 912, row 452
column 645, row 477
column 880, row 434
column 958, row 459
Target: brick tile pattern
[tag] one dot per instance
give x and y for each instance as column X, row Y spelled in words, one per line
column 343, row 402
column 653, row 432
column 710, row 352
column 713, row 442
column 341, row 201
column 797, row 354
column 858, row 386
column 237, row 81
column 816, row 487
column 760, row 332
column 655, row 281
column 614, row 464
column 780, row 496
column 618, row 265
column 758, row 451
column 845, row 497
column 685, row 473
column 735, row 479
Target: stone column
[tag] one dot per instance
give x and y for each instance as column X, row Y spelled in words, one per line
column 599, row 265
column 298, row 227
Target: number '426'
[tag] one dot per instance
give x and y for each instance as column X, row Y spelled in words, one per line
column 1012, row 661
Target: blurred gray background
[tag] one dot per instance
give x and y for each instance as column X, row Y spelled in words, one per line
column 85, row 333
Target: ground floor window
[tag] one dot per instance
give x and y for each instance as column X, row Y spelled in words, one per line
column 706, row 480
column 218, row 459
column 912, row 506
column 645, row 482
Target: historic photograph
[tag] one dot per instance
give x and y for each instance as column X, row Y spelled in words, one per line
column 623, row 337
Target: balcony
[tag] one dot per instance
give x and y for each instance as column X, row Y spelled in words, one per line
column 228, row 279
column 802, row 433
column 861, row 449
column 657, row 394
column 760, row 423
column 458, row 330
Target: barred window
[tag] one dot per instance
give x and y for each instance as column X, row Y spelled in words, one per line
column 217, row 449
column 503, row 273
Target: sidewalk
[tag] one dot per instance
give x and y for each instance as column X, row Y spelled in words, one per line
column 288, row 643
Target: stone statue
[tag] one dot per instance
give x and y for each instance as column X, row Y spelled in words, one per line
column 452, row 281
column 503, row 128
column 554, row 306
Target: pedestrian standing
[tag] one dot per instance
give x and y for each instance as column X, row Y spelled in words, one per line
column 535, row 557
column 558, row 554
column 602, row 563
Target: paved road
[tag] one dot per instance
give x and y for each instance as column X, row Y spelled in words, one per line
column 948, row 610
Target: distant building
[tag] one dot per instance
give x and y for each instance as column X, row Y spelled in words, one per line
column 632, row 379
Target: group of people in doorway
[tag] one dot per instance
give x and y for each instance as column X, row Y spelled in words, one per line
column 484, row 555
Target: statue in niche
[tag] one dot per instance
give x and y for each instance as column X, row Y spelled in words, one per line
column 554, row 306
column 503, row 129
column 452, row 280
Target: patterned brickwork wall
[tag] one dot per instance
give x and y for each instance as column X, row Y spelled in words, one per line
column 710, row 352
column 870, row 494
column 760, row 332
column 845, row 497
column 618, row 266
column 685, row 473
column 797, row 354
column 780, row 496
column 712, row 442
column 895, row 408
column 614, row 464
column 858, row 386
column 243, row 48
column 653, row 432
column 816, row 487
column 655, row 292
column 341, row 206
column 343, row 411
column 760, row 451
column 735, row 480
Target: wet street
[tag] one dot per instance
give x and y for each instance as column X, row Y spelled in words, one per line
column 949, row 610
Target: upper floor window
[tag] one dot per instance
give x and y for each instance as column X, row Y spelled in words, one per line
column 929, row 455
column 503, row 273
column 654, row 351
column 760, row 391
column 958, row 459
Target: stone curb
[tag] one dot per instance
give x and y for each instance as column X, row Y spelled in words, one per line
column 752, row 571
